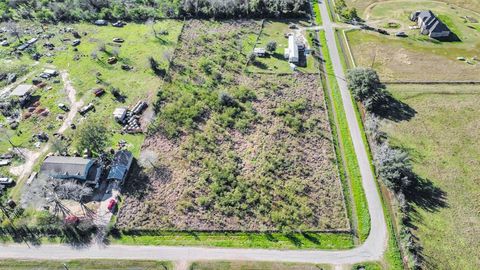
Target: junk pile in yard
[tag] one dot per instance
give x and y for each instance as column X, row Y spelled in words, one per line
column 130, row 119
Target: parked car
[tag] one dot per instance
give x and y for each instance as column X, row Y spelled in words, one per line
column 118, row 24
column 63, row 107
column 401, row 34
column 118, row 40
column 6, row 181
column 76, row 42
column 111, row 205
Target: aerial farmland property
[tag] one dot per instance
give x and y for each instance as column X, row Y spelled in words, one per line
column 238, row 135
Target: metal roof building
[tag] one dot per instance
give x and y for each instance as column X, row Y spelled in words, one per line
column 77, row 168
column 291, row 53
column 22, row 90
column 120, row 166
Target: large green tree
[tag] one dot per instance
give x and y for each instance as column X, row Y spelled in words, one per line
column 92, row 136
column 366, row 86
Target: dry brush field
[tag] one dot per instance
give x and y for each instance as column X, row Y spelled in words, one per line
column 231, row 151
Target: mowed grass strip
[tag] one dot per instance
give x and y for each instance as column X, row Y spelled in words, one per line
column 316, row 12
column 242, row 265
column 442, row 140
column 83, row 264
column 350, row 158
column 241, row 240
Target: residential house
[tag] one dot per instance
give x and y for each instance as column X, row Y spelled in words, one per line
column 291, row 53
column 84, row 170
column 429, row 24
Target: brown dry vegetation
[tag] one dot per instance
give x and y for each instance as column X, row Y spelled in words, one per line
column 235, row 152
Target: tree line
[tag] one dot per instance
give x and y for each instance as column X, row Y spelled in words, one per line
column 131, row 10
column 393, row 164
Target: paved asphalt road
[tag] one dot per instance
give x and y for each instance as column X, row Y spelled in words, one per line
column 372, row 249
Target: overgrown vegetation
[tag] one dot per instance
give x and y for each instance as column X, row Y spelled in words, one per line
column 92, row 136
column 345, row 12
column 240, row 152
column 84, row 10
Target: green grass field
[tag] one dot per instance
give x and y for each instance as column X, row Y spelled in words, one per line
column 363, row 5
column 140, row 83
column 83, row 265
column 48, row 99
column 276, row 63
column 243, row 265
column 442, row 140
column 401, row 58
column 242, row 240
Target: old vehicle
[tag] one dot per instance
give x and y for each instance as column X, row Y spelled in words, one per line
column 111, row 205
column 63, row 107
column 6, row 181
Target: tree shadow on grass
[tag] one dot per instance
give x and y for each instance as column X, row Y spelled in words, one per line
column 311, row 237
column 260, row 65
column 422, row 193
column 270, row 237
column 293, row 239
column 388, row 107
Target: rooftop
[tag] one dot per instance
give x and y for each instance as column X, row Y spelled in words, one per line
column 56, row 166
column 21, row 90
column 120, row 165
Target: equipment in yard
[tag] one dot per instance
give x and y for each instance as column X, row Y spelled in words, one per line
column 63, row 107
column 139, row 107
column 6, row 181
column 85, row 109
column 112, row 60
column 98, row 92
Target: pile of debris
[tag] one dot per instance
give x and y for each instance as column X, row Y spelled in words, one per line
column 130, row 119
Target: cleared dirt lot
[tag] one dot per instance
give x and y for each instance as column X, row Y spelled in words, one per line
column 268, row 166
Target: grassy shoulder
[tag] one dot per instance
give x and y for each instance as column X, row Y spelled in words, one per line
column 353, row 171
column 316, row 12
column 83, row 264
column 240, row 265
column 392, row 258
column 241, row 240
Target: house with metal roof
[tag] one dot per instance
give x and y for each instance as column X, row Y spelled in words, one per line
column 71, row 168
column 291, row 53
column 429, row 24
column 120, row 166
